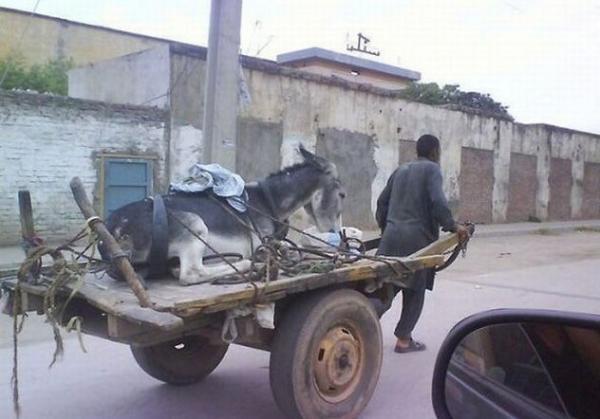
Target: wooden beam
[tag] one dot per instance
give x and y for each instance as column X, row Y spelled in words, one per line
column 359, row 271
column 438, row 247
column 115, row 251
column 26, row 215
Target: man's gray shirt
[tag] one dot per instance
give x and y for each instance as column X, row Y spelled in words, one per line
column 412, row 208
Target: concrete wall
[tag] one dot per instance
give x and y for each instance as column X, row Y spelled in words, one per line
column 258, row 148
column 327, row 69
column 305, row 107
column 186, row 101
column 380, row 129
column 46, row 140
column 139, row 78
column 407, row 151
column 353, row 154
column 46, row 38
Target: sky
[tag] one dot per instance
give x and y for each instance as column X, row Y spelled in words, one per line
column 539, row 57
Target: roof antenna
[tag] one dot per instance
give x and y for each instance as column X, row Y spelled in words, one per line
column 361, row 46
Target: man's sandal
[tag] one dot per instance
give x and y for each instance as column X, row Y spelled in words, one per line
column 413, row 346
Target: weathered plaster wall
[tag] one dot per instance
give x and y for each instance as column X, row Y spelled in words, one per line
column 258, row 148
column 141, row 78
column 305, row 107
column 407, row 151
column 353, row 155
column 41, row 38
column 185, row 150
column 186, row 104
column 186, row 98
column 305, row 104
column 45, row 141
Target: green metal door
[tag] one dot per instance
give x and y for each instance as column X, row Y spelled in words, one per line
column 125, row 181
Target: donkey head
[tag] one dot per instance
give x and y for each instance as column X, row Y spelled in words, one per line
column 327, row 202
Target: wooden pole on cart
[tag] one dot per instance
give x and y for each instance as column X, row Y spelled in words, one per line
column 30, row 240
column 26, row 215
column 116, row 253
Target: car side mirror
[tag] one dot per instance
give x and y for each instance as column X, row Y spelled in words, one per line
column 519, row 363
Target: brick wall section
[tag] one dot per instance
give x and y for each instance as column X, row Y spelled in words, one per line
column 591, row 191
column 522, row 187
column 476, row 184
column 46, row 140
column 561, row 180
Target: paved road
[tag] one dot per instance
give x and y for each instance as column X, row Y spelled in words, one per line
column 537, row 271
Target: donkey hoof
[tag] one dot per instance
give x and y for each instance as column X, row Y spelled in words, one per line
column 187, row 281
column 190, row 278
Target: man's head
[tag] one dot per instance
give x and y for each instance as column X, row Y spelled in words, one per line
column 428, row 147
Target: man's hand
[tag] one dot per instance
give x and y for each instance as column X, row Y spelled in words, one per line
column 463, row 233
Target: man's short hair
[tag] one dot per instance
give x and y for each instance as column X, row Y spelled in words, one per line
column 426, row 144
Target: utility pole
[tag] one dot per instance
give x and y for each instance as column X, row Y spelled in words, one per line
column 222, row 83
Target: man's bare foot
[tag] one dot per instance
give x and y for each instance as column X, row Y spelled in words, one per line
column 403, row 343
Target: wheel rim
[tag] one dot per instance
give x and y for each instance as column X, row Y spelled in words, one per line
column 338, row 364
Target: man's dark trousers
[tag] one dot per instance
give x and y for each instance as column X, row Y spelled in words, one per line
column 410, row 211
column 412, row 306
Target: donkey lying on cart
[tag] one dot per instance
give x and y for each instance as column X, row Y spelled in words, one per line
column 200, row 225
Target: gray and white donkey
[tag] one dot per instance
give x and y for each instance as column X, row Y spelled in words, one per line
column 312, row 184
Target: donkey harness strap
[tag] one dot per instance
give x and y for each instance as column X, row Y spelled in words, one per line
column 159, row 250
column 281, row 228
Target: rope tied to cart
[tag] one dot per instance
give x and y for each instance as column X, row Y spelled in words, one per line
column 328, row 258
column 285, row 256
column 63, row 272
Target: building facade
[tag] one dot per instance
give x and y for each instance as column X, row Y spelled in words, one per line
column 495, row 170
column 348, row 67
column 38, row 38
column 133, row 124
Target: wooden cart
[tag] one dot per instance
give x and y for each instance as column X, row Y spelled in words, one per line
column 322, row 329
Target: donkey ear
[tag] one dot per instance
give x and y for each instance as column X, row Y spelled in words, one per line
column 313, row 159
column 307, row 155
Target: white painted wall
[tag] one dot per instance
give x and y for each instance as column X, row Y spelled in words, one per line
column 141, row 78
column 45, row 141
column 185, row 150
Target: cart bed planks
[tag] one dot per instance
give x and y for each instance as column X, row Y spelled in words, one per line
column 184, row 303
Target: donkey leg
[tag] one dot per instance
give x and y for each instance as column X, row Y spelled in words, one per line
column 191, row 250
column 186, row 246
column 193, row 271
column 217, row 271
column 205, row 274
column 191, row 268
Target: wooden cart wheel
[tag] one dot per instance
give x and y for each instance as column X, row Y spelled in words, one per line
column 326, row 356
column 182, row 361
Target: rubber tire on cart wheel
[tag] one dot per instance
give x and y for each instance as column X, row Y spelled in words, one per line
column 182, row 361
column 326, row 356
